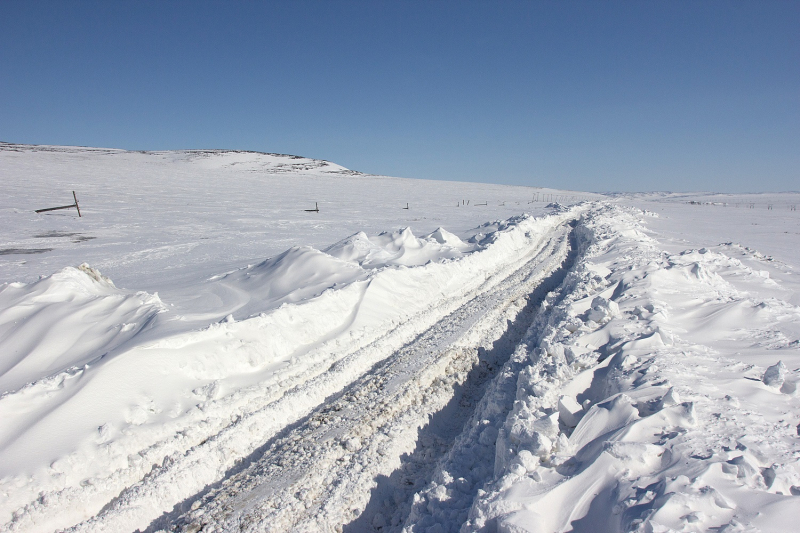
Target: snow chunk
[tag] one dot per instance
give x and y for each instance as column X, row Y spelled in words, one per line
column 670, row 398
column 95, row 275
column 352, row 444
column 569, row 411
column 775, row 375
column 527, row 460
column 602, row 310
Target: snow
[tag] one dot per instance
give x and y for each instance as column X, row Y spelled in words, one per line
column 677, row 431
column 624, row 364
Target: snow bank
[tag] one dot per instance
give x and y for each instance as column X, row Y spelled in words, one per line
column 138, row 426
column 639, row 403
column 65, row 321
column 399, row 248
column 656, row 389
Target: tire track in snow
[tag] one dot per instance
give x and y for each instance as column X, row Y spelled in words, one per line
column 184, row 476
column 473, row 459
column 468, row 459
column 318, row 474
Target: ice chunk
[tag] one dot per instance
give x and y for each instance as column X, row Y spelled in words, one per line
column 547, row 425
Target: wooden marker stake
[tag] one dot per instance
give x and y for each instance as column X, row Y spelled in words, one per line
column 75, row 205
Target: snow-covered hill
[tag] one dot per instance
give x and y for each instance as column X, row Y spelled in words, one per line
column 198, row 352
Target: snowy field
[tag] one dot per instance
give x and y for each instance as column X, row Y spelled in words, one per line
column 199, row 353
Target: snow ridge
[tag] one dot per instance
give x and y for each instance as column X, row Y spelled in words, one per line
column 563, row 373
column 314, row 476
column 622, row 425
column 233, row 385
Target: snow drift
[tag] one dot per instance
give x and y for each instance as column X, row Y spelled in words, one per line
column 301, row 311
column 596, row 367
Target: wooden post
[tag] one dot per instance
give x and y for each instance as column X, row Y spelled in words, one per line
column 75, row 205
column 315, row 210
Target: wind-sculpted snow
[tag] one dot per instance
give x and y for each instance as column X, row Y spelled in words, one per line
column 65, row 321
column 400, row 248
column 200, row 400
column 648, row 391
column 641, row 405
column 595, row 367
column 165, row 221
column 312, row 476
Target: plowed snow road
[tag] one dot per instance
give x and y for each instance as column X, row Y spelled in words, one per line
column 346, row 435
column 401, row 416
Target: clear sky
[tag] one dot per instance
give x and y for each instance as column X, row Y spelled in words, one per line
column 599, row 95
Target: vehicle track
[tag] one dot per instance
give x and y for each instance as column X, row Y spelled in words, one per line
column 401, row 416
column 264, row 416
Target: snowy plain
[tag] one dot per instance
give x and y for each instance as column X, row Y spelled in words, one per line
column 199, row 353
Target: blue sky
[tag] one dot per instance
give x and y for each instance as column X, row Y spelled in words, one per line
column 601, row 95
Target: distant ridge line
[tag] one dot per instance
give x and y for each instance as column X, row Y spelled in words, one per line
column 9, row 146
column 49, row 147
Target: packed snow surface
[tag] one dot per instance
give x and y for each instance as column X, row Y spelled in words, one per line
column 198, row 352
